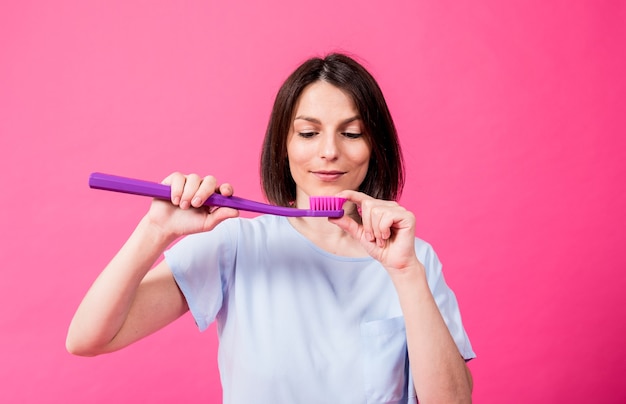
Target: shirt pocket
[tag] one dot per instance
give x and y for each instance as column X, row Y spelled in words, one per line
column 385, row 360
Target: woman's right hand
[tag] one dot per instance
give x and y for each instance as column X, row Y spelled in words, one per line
column 129, row 300
column 186, row 213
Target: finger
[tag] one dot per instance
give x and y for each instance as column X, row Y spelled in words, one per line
column 221, row 214
column 353, row 196
column 205, row 189
column 368, row 221
column 192, row 183
column 226, row 189
column 382, row 216
column 360, row 199
column 396, row 219
column 384, row 228
column 375, row 213
column 376, row 220
column 176, row 181
column 386, row 222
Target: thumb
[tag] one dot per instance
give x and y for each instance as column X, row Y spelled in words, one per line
column 219, row 215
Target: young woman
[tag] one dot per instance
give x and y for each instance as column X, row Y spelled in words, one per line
column 309, row 310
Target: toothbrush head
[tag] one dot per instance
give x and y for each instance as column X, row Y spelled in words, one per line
column 328, row 206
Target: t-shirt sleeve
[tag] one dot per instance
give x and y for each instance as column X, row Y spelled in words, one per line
column 202, row 265
column 445, row 299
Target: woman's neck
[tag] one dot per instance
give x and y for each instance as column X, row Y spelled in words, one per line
column 328, row 236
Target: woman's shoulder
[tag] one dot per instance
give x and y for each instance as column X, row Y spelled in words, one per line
column 428, row 257
column 423, row 247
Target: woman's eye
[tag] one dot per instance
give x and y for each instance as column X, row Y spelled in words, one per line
column 306, row 135
column 351, row 135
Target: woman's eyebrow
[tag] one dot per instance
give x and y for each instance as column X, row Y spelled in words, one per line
column 317, row 121
column 307, row 118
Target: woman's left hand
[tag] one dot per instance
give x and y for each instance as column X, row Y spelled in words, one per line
column 386, row 230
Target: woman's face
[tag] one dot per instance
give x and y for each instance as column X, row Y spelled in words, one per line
column 326, row 146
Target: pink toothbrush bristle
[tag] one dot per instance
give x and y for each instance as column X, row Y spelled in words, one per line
column 326, row 203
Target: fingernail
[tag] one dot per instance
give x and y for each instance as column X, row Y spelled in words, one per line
column 196, row 201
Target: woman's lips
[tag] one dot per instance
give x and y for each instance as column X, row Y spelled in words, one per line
column 328, row 175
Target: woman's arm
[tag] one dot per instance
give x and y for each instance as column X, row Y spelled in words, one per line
column 387, row 232
column 439, row 371
column 128, row 300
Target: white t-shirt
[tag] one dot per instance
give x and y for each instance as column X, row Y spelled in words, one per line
column 297, row 324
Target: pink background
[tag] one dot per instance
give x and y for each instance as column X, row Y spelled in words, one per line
column 511, row 114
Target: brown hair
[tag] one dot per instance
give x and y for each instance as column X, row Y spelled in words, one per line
column 385, row 174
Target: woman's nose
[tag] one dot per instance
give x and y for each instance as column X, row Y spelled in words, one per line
column 328, row 146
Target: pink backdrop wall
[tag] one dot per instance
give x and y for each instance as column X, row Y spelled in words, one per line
column 512, row 116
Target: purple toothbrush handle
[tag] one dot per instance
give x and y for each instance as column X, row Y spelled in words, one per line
column 125, row 185
column 133, row 186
